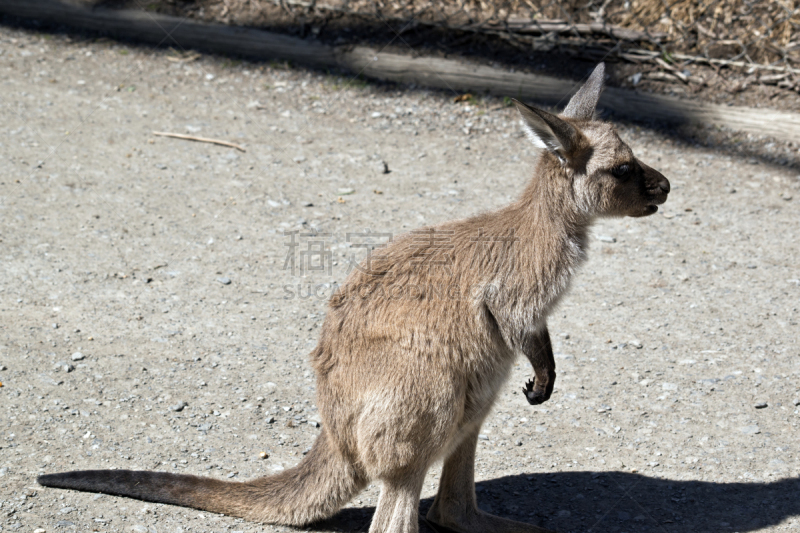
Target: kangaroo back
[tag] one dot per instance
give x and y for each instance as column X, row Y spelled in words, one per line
column 313, row 490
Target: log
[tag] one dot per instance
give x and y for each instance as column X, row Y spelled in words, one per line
column 440, row 73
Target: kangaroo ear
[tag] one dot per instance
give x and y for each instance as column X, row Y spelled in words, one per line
column 583, row 104
column 545, row 130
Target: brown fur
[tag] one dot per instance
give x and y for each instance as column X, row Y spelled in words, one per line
column 414, row 350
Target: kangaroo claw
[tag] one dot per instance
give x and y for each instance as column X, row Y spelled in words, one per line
column 534, row 396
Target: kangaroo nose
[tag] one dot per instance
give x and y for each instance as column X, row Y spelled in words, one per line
column 653, row 176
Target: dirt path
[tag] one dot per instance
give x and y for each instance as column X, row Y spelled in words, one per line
column 165, row 264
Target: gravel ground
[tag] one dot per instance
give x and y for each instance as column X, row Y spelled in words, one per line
column 154, row 314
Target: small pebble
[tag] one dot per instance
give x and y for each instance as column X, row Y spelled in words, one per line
column 63, row 367
column 232, row 474
column 78, row 356
column 39, row 530
column 263, row 455
column 139, row 528
column 636, row 344
column 796, row 402
column 3, row 367
column 760, row 405
column 346, row 190
column 750, row 430
column 606, row 238
column 224, row 281
column 483, row 437
column 270, row 419
column 178, row 407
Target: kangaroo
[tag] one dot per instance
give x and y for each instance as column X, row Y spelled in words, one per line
column 407, row 371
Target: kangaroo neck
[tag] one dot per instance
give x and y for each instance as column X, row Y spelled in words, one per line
column 548, row 220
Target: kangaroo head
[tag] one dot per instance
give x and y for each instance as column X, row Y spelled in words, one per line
column 603, row 175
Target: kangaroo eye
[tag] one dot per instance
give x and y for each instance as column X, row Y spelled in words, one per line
column 621, row 171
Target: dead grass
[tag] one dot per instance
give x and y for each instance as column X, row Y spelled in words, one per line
column 757, row 31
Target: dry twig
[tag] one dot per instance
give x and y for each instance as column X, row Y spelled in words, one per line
column 199, row 139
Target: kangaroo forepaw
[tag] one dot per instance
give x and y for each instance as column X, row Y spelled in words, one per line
column 535, row 395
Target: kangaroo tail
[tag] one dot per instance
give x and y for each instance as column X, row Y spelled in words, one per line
column 313, row 490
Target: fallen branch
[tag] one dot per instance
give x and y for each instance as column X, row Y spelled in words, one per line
column 541, row 27
column 199, row 139
column 730, row 63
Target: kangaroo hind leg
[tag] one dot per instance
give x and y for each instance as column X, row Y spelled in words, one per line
column 455, row 506
column 398, row 505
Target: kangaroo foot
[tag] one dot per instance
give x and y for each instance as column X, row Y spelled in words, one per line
column 480, row 522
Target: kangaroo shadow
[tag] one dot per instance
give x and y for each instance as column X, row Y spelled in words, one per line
column 618, row 501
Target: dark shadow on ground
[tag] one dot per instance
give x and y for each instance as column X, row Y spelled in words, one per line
column 619, row 501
